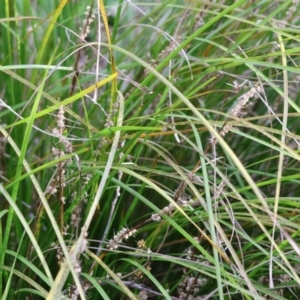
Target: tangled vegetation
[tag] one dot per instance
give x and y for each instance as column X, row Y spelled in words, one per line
column 149, row 150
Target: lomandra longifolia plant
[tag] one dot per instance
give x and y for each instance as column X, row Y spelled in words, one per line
column 149, row 150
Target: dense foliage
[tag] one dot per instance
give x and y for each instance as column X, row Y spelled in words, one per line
column 149, row 150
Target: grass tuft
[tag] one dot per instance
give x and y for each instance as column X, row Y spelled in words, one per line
column 149, row 150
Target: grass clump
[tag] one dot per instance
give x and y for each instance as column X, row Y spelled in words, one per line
column 149, row 150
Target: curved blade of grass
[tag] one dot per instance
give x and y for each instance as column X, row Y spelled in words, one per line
column 30, row 265
column 41, row 290
column 3, row 212
column 29, row 291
